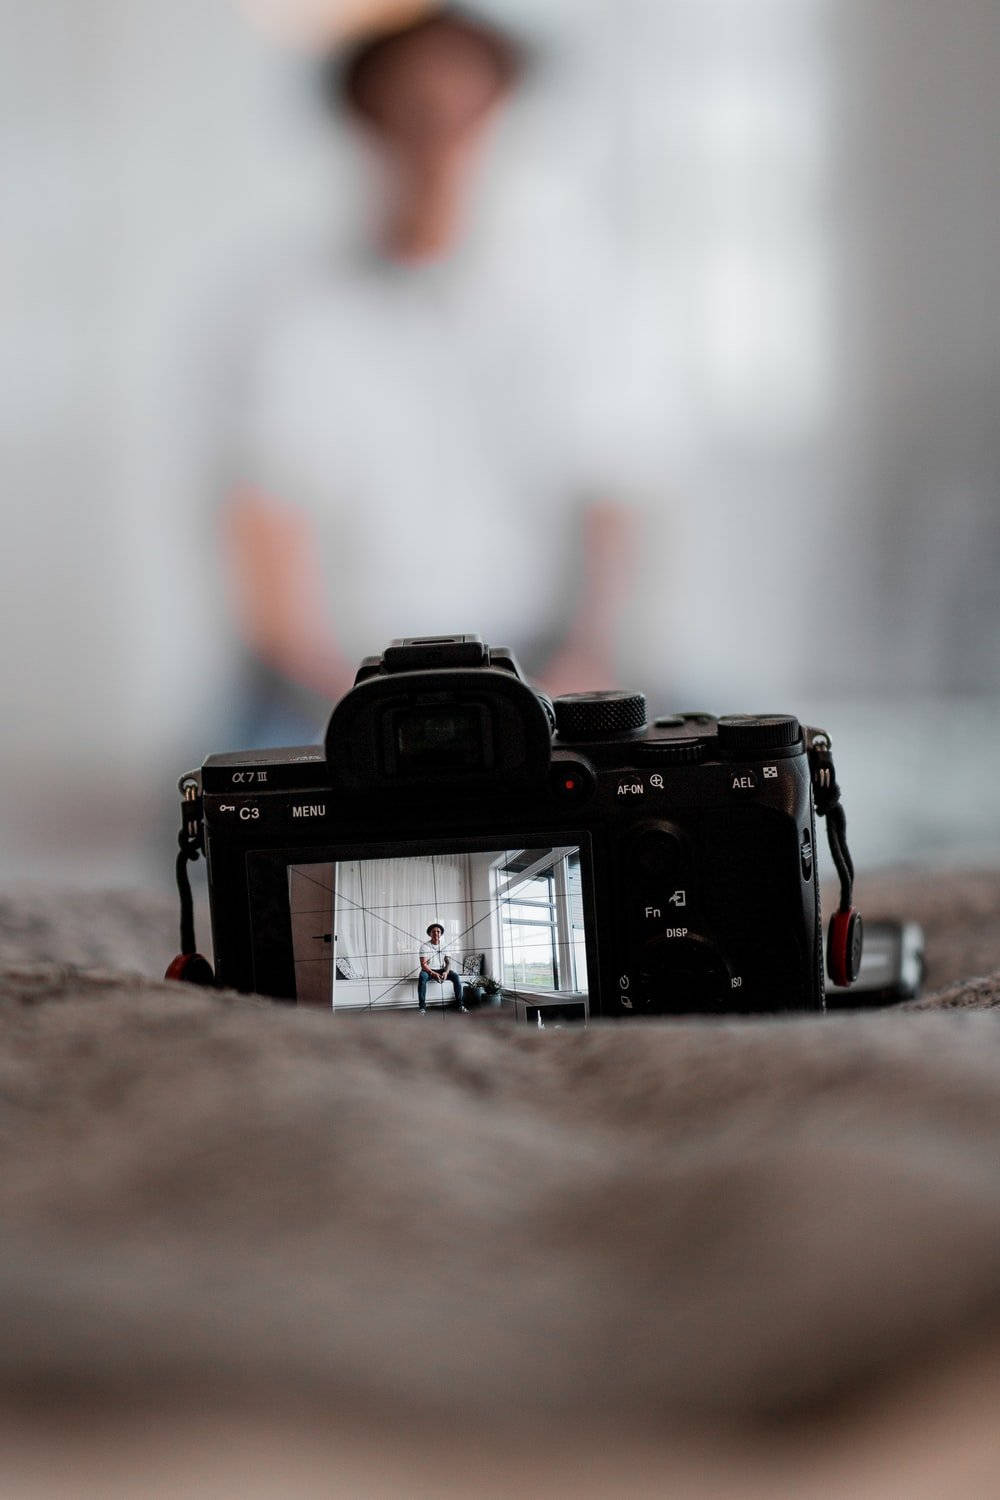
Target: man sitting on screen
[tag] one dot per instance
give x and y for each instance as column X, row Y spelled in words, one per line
column 435, row 964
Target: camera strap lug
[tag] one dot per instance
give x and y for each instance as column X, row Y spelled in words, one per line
column 189, row 965
column 846, row 932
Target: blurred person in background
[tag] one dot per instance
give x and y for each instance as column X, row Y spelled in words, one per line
column 784, row 211
column 408, row 453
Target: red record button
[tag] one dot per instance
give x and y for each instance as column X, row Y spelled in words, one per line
column 571, row 781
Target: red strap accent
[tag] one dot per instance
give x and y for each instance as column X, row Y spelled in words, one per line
column 843, row 946
column 190, row 968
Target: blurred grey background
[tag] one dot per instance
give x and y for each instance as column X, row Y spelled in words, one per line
column 777, row 223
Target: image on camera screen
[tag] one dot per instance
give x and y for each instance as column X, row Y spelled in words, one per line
column 443, row 932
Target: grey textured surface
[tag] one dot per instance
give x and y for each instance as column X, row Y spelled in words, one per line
column 206, row 1197
column 123, row 930
column 137, row 930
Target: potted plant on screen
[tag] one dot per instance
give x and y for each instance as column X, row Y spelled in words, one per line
column 490, row 989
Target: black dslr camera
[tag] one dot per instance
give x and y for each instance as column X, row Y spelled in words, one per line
column 463, row 843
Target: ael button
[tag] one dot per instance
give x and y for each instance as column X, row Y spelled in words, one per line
column 743, row 781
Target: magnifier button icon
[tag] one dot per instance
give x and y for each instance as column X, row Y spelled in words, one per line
column 656, row 781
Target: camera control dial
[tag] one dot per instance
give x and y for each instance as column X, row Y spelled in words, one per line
column 591, row 716
column 750, row 734
column 657, row 852
column 677, row 752
column 682, row 976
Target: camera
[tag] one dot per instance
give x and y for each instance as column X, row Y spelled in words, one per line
column 462, row 843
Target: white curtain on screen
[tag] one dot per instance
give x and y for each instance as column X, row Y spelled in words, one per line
column 384, row 907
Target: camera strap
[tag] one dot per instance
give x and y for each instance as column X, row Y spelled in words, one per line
column 846, row 932
column 189, row 965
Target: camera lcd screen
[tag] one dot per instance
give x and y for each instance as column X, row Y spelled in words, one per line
column 448, row 931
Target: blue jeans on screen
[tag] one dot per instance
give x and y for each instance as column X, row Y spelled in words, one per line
column 424, row 979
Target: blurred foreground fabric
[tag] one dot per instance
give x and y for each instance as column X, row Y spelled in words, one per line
column 254, row 1250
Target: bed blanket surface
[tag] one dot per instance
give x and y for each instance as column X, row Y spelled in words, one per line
column 664, row 1228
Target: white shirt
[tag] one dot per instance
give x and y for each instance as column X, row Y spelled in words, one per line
column 487, row 399
column 434, row 954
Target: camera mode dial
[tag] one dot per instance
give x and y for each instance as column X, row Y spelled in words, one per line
column 750, row 734
column 591, row 716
